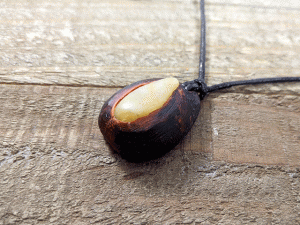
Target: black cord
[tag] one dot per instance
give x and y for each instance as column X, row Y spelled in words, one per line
column 199, row 85
column 250, row 82
column 202, row 43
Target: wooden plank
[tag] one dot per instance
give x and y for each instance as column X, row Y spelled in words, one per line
column 78, row 44
column 56, row 168
column 231, row 127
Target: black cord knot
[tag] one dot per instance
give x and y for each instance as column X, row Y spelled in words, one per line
column 197, row 86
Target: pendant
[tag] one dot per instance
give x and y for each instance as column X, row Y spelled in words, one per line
column 147, row 119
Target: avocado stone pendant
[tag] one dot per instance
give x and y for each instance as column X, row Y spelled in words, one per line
column 151, row 136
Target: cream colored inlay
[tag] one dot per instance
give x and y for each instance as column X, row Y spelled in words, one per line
column 146, row 99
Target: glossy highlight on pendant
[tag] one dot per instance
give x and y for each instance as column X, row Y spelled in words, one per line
column 151, row 136
column 145, row 99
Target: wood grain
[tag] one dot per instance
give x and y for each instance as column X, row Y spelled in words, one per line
column 65, row 118
column 88, row 46
column 59, row 62
column 55, row 166
column 257, row 129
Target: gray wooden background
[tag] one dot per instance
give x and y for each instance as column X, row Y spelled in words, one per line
column 60, row 60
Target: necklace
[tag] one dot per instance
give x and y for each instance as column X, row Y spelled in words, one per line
column 146, row 119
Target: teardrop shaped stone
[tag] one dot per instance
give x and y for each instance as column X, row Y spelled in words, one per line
column 145, row 99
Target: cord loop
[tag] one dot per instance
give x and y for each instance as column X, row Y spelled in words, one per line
column 197, row 85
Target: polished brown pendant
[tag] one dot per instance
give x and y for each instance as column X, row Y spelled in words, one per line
column 153, row 135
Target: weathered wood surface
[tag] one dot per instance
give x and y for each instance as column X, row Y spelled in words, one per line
column 61, row 60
